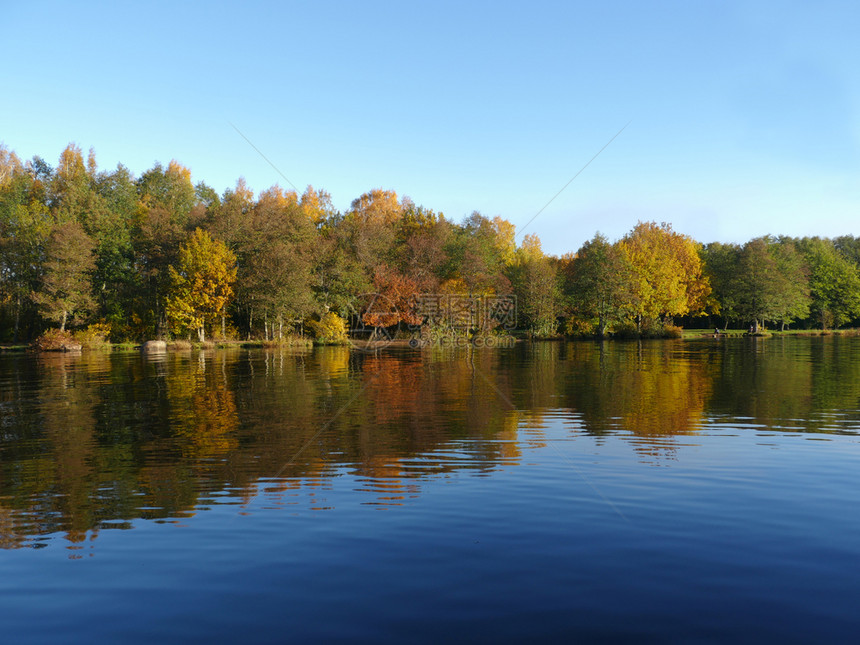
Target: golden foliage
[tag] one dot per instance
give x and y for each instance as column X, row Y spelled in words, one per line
column 202, row 283
column 667, row 269
column 330, row 329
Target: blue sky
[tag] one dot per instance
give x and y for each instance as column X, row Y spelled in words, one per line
column 744, row 117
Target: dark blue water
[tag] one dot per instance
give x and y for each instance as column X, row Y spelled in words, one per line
column 657, row 492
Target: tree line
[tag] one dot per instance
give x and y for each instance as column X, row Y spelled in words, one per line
column 158, row 256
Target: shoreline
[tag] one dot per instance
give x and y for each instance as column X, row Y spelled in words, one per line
column 416, row 344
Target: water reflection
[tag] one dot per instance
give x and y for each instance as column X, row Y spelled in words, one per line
column 95, row 441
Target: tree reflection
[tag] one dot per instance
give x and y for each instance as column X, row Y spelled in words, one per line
column 94, row 442
column 648, row 389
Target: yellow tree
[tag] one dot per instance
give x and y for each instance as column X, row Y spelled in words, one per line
column 667, row 269
column 201, row 285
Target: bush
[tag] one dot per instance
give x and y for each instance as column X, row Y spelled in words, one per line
column 672, row 331
column 330, row 329
column 55, row 340
column 579, row 328
column 94, row 337
column 626, row 330
column 647, row 329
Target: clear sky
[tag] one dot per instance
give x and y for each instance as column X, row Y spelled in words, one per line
column 744, row 117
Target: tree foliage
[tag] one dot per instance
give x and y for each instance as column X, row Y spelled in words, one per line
column 65, row 290
column 600, row 282
column 134, row 252
column 667, row 269
column 201, row 284
column 834, row 283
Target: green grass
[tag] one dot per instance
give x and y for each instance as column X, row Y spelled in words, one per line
column 700, row 333
column 10, row 347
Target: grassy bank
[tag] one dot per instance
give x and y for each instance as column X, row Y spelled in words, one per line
column 737, row 333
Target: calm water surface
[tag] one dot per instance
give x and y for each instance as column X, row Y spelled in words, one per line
column 698, row 491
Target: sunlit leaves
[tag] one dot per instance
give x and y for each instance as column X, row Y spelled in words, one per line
column 667, row 269
column 201, row 285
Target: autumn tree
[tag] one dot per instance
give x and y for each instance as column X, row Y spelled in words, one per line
column 229, row 219
column 394, row 301
column 668, row 272
column 167, row 197
column 421, row 241
column 537, row 286
column 201, row 284
column 278, row 255
column 316, row 205
column 169, row 189
column 480, row 251
column 370, row 227
column 65, row 288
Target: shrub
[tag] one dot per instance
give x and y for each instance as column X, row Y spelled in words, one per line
column 579, row 328
column 54, row 340
column 330, row 329
column 95, row 336
column 672, row 331
column 626, row 330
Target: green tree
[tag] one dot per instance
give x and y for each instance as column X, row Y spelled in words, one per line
column 339, row 278
column 25, row 224
column 599, row 283
column 480, row 251
column 793, row 298
column 536, row 283
column 169, row 189
column 277, row 279
column 115, row 280
column 769, row 284
column 834, row 283
column 65, row 288
column 201, row 285
column 720, row 265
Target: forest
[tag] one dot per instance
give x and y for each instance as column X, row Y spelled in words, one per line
column 105, row 253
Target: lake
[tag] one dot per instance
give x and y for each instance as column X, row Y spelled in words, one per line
column 662, row 491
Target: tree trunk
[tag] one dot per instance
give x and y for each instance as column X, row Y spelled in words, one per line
column 63, row 323
column 201, row 334
column 223, row 327
column 17, row 317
